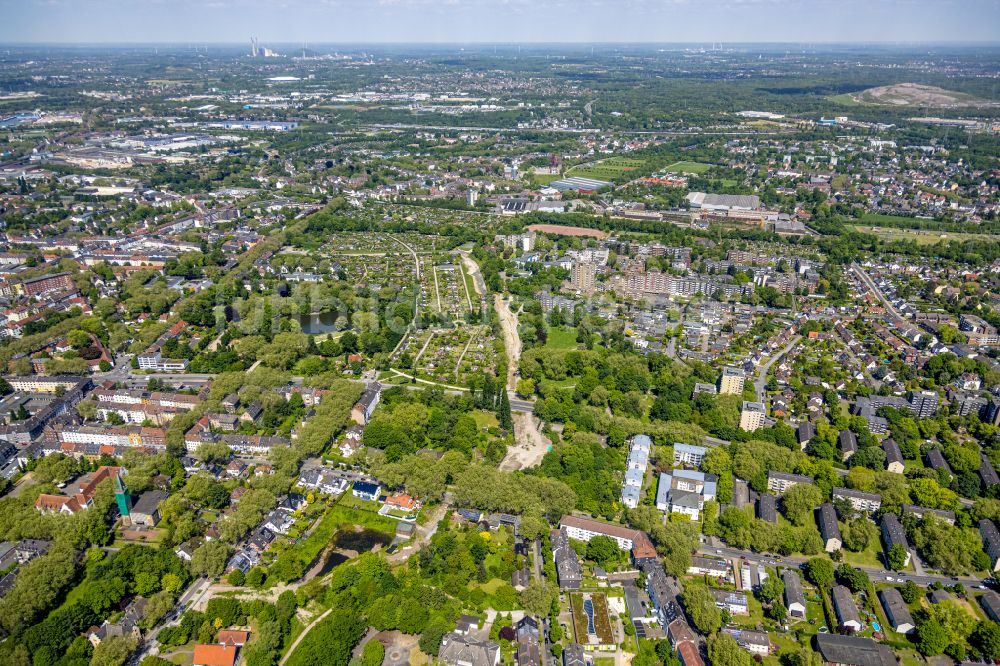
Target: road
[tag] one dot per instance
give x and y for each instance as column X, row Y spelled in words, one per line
column 876, row 574
column 192, row 596
column 761, row 382
column 867, row 280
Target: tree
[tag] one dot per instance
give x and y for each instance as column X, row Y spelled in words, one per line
column 537, row 598
column 772, row 589
column 210, row 559
column 986, row 638
column 910, row 592
column 859, row 533
column 932, row 638
column 800, row 501
column 724, row 651
column 503, row 411
column 603, row 550
column 855, row 579
column 819, row 571
column 114, row 651
column 701, row 608
column 237, row 578
column 373, row 653
column 896, row 558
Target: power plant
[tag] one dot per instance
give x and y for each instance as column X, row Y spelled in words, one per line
column 258, row 51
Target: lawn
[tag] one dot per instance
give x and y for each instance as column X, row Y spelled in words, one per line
column 563, row 337
column 869, row 557
column 689, row 167
column 485, row 420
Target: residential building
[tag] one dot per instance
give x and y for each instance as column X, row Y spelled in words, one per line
column 767, row 508
column 688, row 454
column 731, row 381
column 847, row 443
column 752, row 416
column 214, row 655
column 893, row 456
column 991, row 542
column 705, row 566
column 754, row 642
column 528, row 635
column 828, row 528
column 734, row 602
column 896, row 610
column 779, row 482
column 461, row 650
column 366, row 490
column 568, row 569
column 920, row 512
column 861, row 501
column 838, row 650
column 635, row 470
column 585, row 529
column 582, row 276
column 795, row 600
column 845, row 608
column 365, row 406
column 685, row 491
column 893, row 534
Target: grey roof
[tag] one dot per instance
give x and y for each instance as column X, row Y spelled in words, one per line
column 828, row 527
column 574, row 655
column 990, row 601
column 988, row 472
column 847, row 441
column 806, row 432
column 892, row 531
column 843, row 603
column 793, row 587
column 922, row 511
column 991, row 537
column 767, row 508
column 457, row 649
column 892, row 451
column 149, row 502
column 567, row 565
column 895, row 608
column 850, row 493
column 936, row 460
column 786, row 476
column 854, row 650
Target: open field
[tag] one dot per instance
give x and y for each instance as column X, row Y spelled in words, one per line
column 688, row 167
column 614, row 169
column 913, row 94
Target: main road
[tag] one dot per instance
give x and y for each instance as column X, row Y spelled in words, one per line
column 875, row 573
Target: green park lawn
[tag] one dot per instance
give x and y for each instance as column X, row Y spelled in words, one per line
column 563, row 337
column 689, row 167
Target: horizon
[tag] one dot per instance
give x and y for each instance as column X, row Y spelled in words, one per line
column 103, row 22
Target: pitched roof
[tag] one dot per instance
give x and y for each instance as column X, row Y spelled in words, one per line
column 214, row 655
column 853, row 650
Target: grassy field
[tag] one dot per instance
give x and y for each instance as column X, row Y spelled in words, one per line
column 920, row 236
column 689, row 167
column 614, row 169
column 561, row 338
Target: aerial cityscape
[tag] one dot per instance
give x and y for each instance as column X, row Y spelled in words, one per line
column 535, row 353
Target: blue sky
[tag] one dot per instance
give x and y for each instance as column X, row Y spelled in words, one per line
column 451, row 21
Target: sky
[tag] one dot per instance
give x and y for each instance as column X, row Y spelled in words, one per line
column 493, row 21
